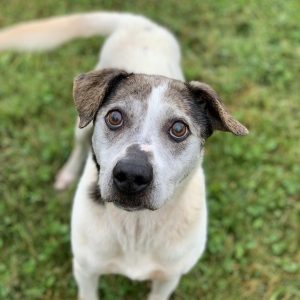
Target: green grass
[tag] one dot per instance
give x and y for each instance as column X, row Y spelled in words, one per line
column 249, row 51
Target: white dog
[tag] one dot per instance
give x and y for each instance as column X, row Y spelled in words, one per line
column 140, row 207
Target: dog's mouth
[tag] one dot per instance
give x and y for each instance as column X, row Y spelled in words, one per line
column 131, row 203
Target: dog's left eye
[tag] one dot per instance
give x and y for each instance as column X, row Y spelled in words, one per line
column 179, row 131
column 114, row 119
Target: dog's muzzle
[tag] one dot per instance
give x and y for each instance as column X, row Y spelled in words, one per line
column 131, row 176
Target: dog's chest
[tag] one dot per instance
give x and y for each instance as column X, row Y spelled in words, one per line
column 137, row 266
column 135, row 254
column 136, row 249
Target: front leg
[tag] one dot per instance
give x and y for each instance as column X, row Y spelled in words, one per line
column 162, row 289
column 87, row 283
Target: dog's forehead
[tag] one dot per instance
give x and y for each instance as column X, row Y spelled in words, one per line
column 141, row 86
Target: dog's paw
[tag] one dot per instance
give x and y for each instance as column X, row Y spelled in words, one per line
column 63, row 180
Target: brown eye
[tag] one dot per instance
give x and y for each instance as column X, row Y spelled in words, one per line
column 114, row 119
column 179, row 131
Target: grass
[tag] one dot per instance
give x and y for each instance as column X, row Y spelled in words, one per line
column 249, row 51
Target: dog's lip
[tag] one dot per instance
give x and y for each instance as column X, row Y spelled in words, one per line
column 133, row 208
column 128, row 208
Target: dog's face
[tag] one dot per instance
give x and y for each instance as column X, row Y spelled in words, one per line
column 146, row 141
column 149, row 132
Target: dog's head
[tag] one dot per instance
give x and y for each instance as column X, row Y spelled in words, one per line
column 149, row 132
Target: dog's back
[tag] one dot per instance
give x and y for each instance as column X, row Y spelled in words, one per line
column 135, row 43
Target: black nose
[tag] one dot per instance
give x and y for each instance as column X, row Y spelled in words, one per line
column 132, row 176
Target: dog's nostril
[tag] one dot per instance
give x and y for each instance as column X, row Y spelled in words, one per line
column 121, row 176
column 140, row 180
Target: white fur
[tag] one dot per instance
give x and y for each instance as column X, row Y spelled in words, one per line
column 158, row 245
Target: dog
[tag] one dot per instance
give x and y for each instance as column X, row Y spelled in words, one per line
column 140, row 206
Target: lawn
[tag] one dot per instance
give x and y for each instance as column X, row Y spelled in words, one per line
column 249, row 51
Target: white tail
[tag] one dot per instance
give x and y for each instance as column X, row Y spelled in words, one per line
column 50, row 33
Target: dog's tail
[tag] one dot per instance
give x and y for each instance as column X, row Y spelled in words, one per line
column 47, row 34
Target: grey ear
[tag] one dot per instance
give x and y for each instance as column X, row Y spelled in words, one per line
column 90, row 89
column 219, row 118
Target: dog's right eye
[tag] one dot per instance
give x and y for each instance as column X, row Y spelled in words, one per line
column 114, row 119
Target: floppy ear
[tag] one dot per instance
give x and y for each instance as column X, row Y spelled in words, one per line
column 218, row 116
column 90, row 89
